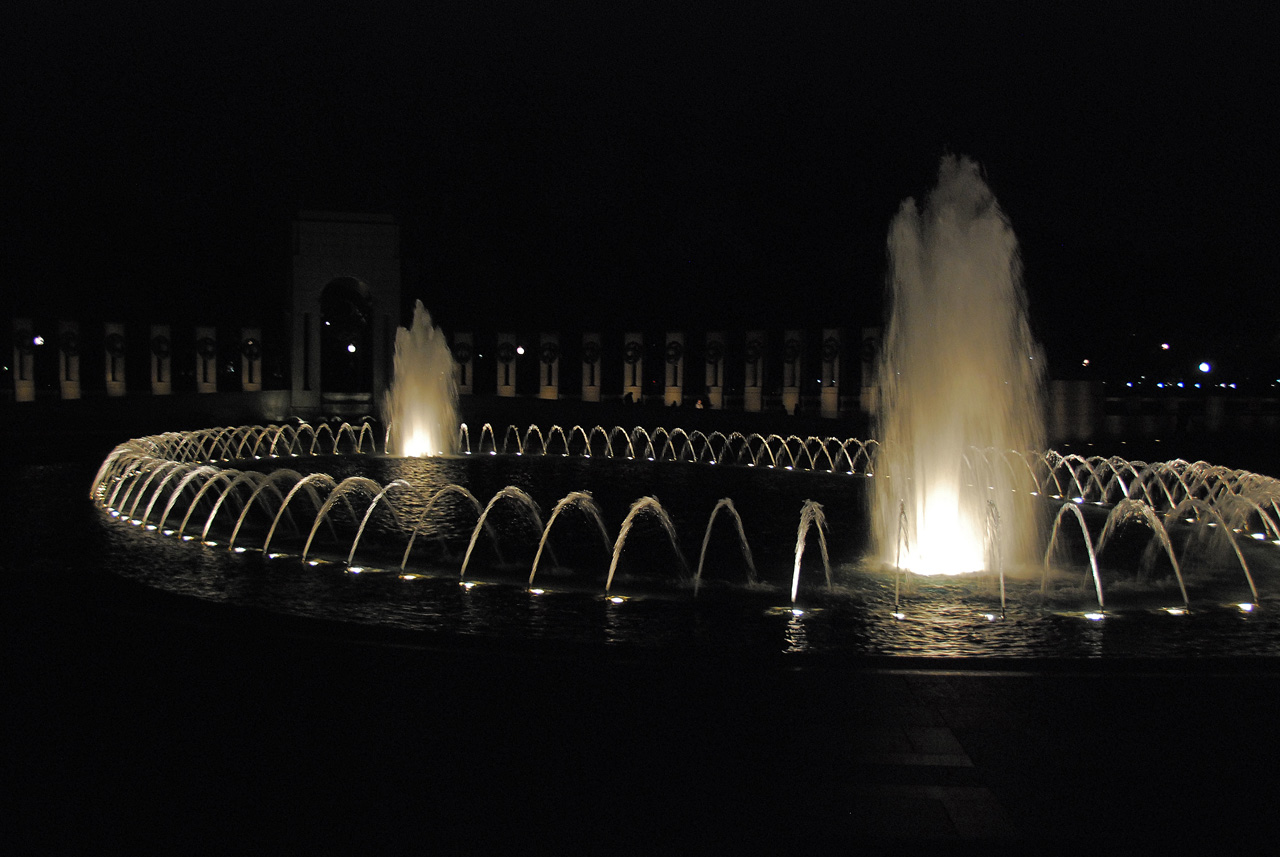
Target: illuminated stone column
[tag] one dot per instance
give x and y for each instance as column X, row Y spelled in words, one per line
column 463, row 360
column 792, row 365
column 24, row 361
column 161, row 360
column 715, row 370
column 250, row 359
column 633, row 367
column 549, row 365
column 113, row 346
column 753, row 381
column 830, row 373
column 590, row 367
column 506, row 364
column 69, row 359
column 673, row 386
column 206, row 360
column 870, row 354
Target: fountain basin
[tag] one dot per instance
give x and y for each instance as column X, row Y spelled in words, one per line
column 528, row 578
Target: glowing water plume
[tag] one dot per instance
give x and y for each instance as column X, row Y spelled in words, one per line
column 421, row 408
column 960, row 381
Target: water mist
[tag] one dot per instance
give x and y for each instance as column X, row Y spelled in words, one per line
column 421, row 407
column 961, row 384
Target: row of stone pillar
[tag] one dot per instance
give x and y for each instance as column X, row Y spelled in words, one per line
column 27, row 344
column 714, row 354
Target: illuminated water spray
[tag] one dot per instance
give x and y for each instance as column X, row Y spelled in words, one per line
column 421, row 408
column 960, row 381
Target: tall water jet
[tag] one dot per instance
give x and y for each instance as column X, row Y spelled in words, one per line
column 421, row 407
column 961, row 382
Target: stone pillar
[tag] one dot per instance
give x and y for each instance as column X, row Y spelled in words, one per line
column 250, row 359
column 206, row 360
column 870, row 355
column 305, row 393
column 792, row 366
column 463, row 363
column 69, row 359
column 715, row 370
column 549, row 365
column 830, row 373
column 753, row 382
column 673, row 385
column 633, row 366
column 506, row 364
column 590, row 367
column 113, row 346
column 24, row 361
column 161, row 360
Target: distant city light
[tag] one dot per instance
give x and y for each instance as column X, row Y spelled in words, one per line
column 39, row 340
column 1084, row 362
column 1164, row 346
column 351, row 349
column 519, row 349
column 1204, row 367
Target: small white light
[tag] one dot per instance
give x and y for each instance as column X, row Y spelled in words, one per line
column 1204, row 367
column 1259, row 537
column 991, row 617
column 519, row 349
column 1164, row 346
column 1176, row 611
column 356, row 569
column 537, row 591
column 1094, row 617
column 898, row 615
column 616, row 599
column 468, row 585
column 39, row 340
column 796, row 611
column 1246, row 607
column 239, row 549
column 351, row 349
column 313, row 562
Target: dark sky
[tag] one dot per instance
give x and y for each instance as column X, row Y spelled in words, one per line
column 694, row 164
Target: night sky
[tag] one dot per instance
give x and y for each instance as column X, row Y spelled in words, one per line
column 620, row 164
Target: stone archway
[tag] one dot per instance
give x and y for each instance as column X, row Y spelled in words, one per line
column 346, row 308
column 346, row 338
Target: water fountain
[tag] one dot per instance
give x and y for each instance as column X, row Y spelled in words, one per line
column 960, row 382
column 956, row 483
column 421, row 407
